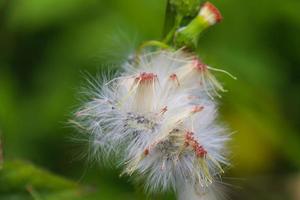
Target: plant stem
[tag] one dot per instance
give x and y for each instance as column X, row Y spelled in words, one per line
column 177, row 23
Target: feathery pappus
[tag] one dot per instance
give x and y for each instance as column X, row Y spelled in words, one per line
column 159, row 118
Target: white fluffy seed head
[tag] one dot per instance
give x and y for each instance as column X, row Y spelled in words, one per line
column 159, row 118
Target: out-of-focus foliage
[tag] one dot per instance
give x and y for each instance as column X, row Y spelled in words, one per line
column 45, row 45
column 18, row 178
column 185, row 7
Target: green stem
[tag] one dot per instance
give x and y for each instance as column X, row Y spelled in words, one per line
column 170, row 35
column 189, row 35
column 1, row 154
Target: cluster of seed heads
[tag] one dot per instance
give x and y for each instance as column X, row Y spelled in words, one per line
column 158, row 117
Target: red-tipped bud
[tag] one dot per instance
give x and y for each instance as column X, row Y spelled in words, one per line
column 210, row 13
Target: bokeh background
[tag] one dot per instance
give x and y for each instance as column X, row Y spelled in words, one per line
column 47, row 45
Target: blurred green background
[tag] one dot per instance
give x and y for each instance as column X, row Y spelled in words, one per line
column 45, row 45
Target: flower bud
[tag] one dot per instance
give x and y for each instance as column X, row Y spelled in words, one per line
column 188, row 36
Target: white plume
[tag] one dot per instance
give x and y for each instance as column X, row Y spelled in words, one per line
column 159, row 118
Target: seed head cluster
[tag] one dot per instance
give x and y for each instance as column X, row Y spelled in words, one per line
column 158, row 118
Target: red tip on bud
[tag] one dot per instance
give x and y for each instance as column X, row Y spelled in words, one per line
column 214, row 10
column 210, row 13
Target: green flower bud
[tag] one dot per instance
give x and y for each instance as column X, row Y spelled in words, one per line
column 188, row 36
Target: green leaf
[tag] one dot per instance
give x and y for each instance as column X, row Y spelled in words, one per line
column 25, row 179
